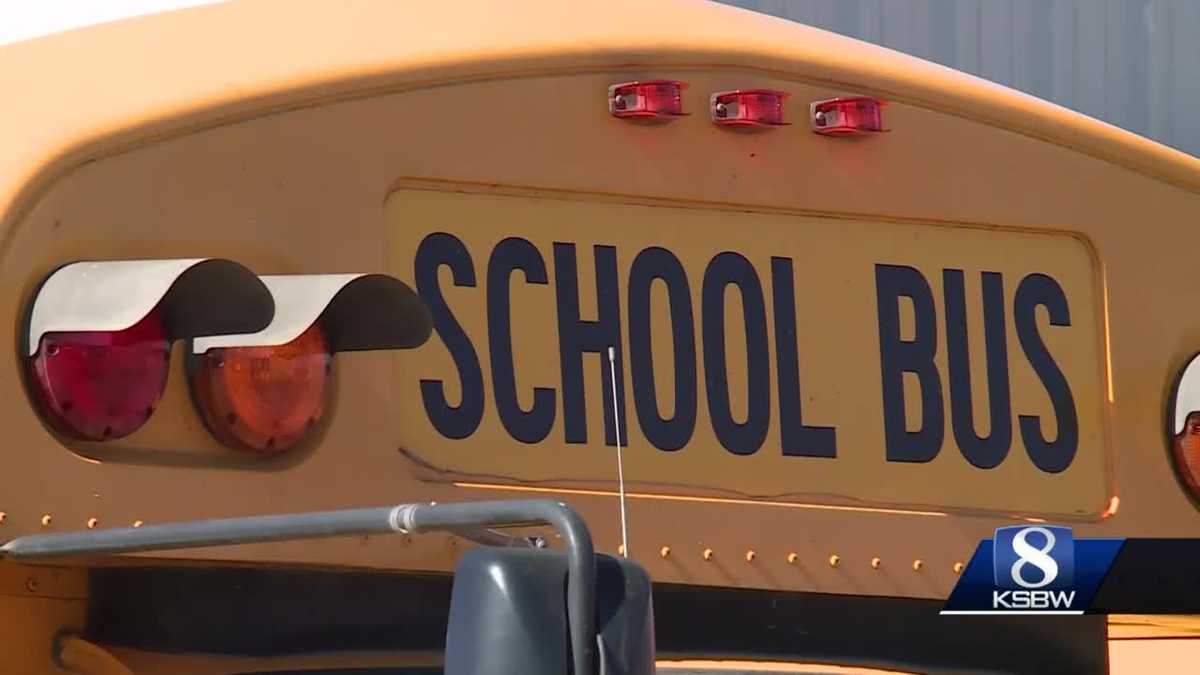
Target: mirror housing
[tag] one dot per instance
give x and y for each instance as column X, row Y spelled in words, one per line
column 508, row 614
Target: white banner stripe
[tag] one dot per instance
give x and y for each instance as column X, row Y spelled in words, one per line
column 1061, row 612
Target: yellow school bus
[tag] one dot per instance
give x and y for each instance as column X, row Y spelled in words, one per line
column 791, row 321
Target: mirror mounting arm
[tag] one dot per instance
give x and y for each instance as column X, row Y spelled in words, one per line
column 416, row 518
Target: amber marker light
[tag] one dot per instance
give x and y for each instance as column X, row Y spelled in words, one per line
column 264, row 399
column 267, row 392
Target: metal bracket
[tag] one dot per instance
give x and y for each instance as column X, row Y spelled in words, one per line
column 416, row 518
column 199, row 296
column 358, row 312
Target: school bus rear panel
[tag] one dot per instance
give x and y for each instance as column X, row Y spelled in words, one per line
column 822, row 234
column 873, row 347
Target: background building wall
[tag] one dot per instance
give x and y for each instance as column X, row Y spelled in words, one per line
column 1133, row 63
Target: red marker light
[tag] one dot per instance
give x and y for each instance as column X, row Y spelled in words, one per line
column 1186, row 449
column 748, row 108
column 649, row 99
column 264, row 399
column 101, row 385
column 843, row 116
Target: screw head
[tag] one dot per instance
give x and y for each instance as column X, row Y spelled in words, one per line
column 664, row 551
column 876, row 563
column 917, row 565
column 958, row 568
column 834, row 560
column 751, row 555
column 47, row 519
column 792, row 558
column 707, row 554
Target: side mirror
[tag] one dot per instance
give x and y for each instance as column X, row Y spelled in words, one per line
column 508, row 614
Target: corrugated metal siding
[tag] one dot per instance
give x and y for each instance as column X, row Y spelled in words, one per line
column 1133, row 63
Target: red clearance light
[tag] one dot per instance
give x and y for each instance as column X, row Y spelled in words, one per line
column 844, row 116
column 1186, row 447
column 263, row 399
column 649, row 99
column 1183, row 427
column 101, row 385
column 748, row 108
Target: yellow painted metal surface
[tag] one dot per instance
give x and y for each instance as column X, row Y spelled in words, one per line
column 36, row 603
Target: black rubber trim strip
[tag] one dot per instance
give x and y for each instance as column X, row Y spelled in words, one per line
column 265, row 612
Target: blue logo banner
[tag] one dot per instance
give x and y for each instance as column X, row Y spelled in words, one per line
column 1034, row 569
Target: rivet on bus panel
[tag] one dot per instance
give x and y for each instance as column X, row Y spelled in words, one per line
column 621, row 549
column 751, row 555
column 3, row 517
column 876, row 563
column 92, row 523
column 917, row 565
column 707, row 554
column 792, row 558
column 958, row 568
column 138, row 523
column 47, row 519
column 834, row 560
column 665, row 552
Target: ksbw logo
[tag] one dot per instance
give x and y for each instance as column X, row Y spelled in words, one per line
column 1033, row 568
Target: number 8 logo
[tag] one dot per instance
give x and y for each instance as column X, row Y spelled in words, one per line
column 1039, row 558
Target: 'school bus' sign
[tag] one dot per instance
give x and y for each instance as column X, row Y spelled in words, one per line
column 760, row 355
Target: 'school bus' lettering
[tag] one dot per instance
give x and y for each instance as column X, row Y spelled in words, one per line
column 956, row 360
